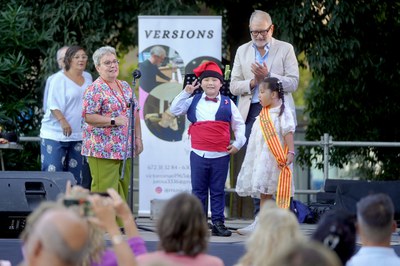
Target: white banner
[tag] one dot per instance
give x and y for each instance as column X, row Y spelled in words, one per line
column 187, row 41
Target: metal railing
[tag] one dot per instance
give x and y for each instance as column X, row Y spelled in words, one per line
column 326, row 142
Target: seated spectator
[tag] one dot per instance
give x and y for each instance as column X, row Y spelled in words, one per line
column 101, row 213
column 311, row 253
column 276, row 228
column 183, row 232
column 337, row 230
column 59, row 237
column 375, row 225
column 105, row 213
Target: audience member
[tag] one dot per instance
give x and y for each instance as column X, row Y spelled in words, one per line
column 150, row 69
column 375, row 225
column 106, row 136
column 264, row 56
column 267, row 167
column 276, row 228
column 336, row 229
column 59, row 237
column 183, row 233
column 311, row 253
column 100, row 212
column 134, row 241
column 212, row 115
column 61, row 132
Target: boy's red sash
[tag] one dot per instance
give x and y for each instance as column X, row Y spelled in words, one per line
column 285, row 177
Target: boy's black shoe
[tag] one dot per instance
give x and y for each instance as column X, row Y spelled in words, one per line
column 219, row 229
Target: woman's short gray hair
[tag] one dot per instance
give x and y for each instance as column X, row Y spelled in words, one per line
column 99, row 53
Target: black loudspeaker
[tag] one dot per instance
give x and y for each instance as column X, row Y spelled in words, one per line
column 22, row 192
column 348, row 194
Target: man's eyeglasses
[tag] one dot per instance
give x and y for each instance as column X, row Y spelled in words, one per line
column 263, row 33
column 83, row 57
column 109, row 63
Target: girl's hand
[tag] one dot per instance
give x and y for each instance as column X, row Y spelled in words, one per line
column 289, row 158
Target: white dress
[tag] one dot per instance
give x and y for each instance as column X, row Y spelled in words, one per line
column 259, row 172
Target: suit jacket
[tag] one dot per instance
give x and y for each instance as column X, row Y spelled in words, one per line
column 282, row 64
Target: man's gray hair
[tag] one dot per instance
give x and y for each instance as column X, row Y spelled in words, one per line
column 99, row 53
column 58, row 55
column 54, row 241
column 259, row 14
column 158, row 51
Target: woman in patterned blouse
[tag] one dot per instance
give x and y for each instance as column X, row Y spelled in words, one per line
column 106, row 136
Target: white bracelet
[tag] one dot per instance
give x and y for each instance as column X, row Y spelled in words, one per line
column 292, row 152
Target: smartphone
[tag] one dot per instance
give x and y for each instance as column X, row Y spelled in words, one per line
column 103, row 194
column 81, row 203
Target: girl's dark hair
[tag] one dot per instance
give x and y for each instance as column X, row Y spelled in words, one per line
column 69, row 54
column 182, row 227
column 275, row 84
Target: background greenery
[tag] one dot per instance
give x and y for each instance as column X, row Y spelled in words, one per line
column 347, row 46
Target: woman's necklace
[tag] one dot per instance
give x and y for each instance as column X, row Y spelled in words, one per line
column 123, row 106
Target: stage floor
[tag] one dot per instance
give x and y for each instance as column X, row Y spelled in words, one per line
column 229, row 249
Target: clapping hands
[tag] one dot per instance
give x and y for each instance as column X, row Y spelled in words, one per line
column 259, row 71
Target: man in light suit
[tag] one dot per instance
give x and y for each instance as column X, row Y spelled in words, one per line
column 264, row 56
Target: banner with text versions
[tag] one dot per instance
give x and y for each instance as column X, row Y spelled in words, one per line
column 169, row 48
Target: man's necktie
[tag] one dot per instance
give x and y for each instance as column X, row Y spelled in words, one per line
column 211, row 99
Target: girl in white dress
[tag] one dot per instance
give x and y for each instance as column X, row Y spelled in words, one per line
column 260, row 170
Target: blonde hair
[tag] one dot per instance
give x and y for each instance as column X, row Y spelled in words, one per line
column 276, row 228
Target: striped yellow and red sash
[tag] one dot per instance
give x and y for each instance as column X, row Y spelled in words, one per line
column 285, row 176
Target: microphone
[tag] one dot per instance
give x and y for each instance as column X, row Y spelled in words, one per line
column 136, row 74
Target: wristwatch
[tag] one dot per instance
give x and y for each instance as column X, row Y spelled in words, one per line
column 113, row 121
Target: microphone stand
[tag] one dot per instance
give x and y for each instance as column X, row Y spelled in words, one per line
column 131, row 135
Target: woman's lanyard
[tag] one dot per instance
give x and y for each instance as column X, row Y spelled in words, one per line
column 115, row 95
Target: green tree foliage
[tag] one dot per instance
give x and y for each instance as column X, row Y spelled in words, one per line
column 350, row 49
column 20, row 61
column 348, row 46
column 32, row 32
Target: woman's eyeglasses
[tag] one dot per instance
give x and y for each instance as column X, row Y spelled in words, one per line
column 83, row 57
column 109, row 63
